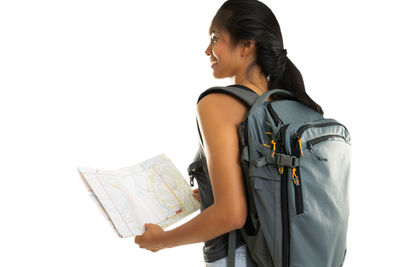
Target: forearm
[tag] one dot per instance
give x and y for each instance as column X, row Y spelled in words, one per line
column 210, row 223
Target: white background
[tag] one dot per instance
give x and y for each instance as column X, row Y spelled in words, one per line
column 109, row 84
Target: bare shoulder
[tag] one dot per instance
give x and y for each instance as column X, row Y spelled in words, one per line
column 222, row 107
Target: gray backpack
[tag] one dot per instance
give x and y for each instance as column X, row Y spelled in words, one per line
column 296, row 168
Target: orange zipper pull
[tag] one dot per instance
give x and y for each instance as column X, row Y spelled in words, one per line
column 273, row 149
column 266, row 144
column 296, row 181
column 301, row 150
column 280, row 169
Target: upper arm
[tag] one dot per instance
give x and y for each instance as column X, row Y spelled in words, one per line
column 219, row 117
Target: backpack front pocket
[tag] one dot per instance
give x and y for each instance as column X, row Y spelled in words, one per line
column 267, row 195
column 324, row 167
column 309, row 139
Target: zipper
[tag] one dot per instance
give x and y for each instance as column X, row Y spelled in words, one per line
column 315, row 155
column 280, row 140
column 316, row 141
column 323, row 138
column 274, row 116
column 306, row 126
column 298, row 192
column 285, row 220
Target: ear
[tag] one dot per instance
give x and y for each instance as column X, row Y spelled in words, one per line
column 247, row 47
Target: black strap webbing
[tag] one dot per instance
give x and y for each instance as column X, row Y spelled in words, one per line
column 231, row 248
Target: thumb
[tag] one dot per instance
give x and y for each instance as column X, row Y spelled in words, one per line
column 137, row 239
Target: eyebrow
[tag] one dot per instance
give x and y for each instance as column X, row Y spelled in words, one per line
column 212, row 32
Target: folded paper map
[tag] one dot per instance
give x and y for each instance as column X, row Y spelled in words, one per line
column 153, row 191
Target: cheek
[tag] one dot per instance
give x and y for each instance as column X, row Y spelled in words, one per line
column 218, row 52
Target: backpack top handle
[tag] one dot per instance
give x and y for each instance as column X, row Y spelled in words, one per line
column 261, row 99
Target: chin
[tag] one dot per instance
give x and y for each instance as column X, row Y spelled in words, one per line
column 218, row 75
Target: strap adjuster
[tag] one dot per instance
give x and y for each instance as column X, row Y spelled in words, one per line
column 286, row 160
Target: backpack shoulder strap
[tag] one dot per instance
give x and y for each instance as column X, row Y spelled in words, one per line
column 247, row 97
column 243, row 95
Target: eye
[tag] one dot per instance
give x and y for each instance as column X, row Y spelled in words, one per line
column 214, row 39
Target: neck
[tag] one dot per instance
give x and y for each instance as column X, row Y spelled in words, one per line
column 257, row 81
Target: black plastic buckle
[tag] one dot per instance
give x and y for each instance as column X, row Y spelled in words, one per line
column 191, row 175
column 286, row 160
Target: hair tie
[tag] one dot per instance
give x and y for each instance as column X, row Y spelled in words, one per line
column 284, row 52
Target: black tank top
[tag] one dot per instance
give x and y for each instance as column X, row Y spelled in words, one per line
column 216, row 248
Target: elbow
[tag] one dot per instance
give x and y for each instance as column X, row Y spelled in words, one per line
column 238, row 219
column 241, row 221
column 232, row 217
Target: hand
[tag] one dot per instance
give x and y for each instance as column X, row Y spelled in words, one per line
column 152, row 238
column 196, row 194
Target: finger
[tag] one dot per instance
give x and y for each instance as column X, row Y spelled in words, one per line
column 196, row 196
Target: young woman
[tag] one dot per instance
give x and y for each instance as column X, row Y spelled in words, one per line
column 245, row 45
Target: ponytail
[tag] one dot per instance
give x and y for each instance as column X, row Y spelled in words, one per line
column 292, row 80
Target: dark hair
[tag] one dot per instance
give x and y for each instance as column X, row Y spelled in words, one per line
column 253, row 20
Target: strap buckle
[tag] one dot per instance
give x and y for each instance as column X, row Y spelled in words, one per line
column 191, row 175
column 286, row 160
column 192, row 170
column 191, row 180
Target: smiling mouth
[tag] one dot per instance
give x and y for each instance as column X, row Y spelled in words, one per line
column 213, row 62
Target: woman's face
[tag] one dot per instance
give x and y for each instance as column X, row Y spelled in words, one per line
column 224, row 59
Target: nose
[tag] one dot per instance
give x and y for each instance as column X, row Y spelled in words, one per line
column 208, row 50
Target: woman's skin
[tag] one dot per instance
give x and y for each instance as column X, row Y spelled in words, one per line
column 219, row 117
